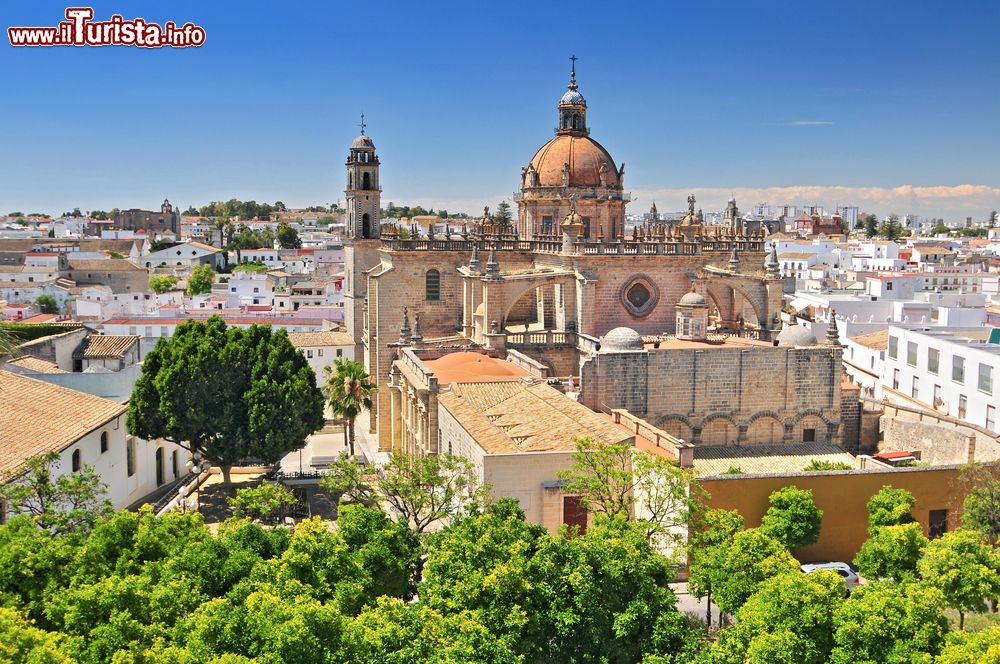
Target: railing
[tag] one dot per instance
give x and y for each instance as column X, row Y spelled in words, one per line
column 541, row 338
column 553, row 245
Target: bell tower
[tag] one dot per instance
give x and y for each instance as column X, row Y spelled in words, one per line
column 363, row 191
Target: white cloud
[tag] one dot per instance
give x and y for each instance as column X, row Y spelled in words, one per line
column 948, row 201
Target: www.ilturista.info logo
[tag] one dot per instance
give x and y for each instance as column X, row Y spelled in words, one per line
column 80, row 30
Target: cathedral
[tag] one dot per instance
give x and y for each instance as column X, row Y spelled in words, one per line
column 567, row 289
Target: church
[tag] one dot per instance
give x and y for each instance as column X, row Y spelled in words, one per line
column 676, row 325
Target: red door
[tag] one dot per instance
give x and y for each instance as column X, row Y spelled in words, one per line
column 574, row 513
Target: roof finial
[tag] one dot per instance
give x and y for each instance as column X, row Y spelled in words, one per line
column 572, row 72
column 362, row 123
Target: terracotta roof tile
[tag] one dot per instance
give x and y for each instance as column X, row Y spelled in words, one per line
column 38, row 417
column 105, row 345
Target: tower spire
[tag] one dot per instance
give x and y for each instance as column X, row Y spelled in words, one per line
column 363, row 123
column 572, row 72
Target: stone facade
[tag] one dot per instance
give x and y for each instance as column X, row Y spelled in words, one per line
column 724, row 395
column 167, row 219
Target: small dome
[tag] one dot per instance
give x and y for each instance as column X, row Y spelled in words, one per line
column 796, row 335
column 362, row 141
column 693, row 299
column 572, row 97
column 585, row 156
column 621, row 338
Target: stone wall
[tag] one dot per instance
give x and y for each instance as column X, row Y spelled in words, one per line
column 939, row 439
column 762, row 394
column 850, row 416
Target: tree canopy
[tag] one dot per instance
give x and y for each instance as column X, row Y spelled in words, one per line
column 226, row 393
column 793, row 518
column 201, row 280
column 890, row 507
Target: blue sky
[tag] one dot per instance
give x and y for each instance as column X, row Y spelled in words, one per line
column 892, row 106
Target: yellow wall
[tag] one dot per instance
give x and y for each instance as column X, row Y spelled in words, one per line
column 843, row 497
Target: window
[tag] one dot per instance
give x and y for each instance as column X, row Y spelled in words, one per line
column 77, row 463
column 915, row 390
column 432, row 286
column 911, row 353
column 340, row 353
column 963, row 405
column 130, row 456
column 937, row 523
column 933, row 360
column 309, row 354
column 958, row 369
column 991, row 417
column 159, row 466
column 895, row 379
column 104, row 442
column 173, row 463
column 893, row 347
column 888, row 285
column 809, row 435
column 547, row 225
column 937, row 396
column 319, row 352
column 985, row 378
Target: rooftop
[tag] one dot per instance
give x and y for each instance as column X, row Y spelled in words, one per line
column 875, row 340
column 105, row 345
column 38, row 417
column 522, row 416
column 716, row 460
column 37, row 365
column 326, row 338
column 468, row 366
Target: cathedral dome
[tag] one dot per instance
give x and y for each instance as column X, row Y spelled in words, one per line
column 693, row 299
column 361, row 142
column 621, row 338
column 796, row 335
column 586, row 158
column 573, row 97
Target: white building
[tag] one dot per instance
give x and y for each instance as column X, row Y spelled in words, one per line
column 322, row 349
column 37, row 417
column 950, row 370
column 185, row 255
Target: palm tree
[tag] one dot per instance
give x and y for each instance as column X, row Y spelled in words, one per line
column 8, row 343
column 349, row 390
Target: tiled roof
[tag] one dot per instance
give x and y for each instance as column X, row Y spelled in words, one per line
column 716, row 460
column 38, row 417
column 510, row 418
column 37, row 364
column 874, row 340
column 105, row 345
column 107, row 265
column 934, row 251
column 327, row 338
column 467, row 366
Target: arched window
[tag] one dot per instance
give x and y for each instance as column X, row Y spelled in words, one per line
column 432, row 285
column 76, row 461
column 104, row 442
column 366, row 223
column 366, row 181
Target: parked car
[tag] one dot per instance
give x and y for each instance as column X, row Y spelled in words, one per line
column 845, row 570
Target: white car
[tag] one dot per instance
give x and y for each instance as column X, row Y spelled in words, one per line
column 846, row 571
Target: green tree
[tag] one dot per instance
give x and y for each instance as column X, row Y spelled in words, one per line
column 387, row 550
column 47, row 304
column 793, row 518
column 964, row 568
column 892, row 552
column 709, row 541
column 871, row 226
column 349, row 390
column 891, row 229
column 819, row 465
column 617, row 481
column 799, row 605
column 422, row 489
column 65, row 503
column 201, row 279
column 288, row 237
column 750, row 557
column 23, row 643
column 981, row 508
column 889, row 623
column 266, row 502
column 972, row 648
column 940, row 229
column 890, row 507
column 502, row 216
column 226, row 393
column 162, row 283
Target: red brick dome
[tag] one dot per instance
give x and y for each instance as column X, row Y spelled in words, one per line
column 585, row 157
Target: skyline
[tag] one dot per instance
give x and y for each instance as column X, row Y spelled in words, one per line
column 887, row 108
